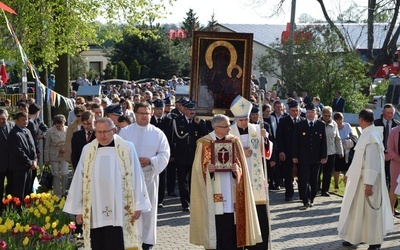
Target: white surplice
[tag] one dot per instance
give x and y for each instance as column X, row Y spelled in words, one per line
column 106, row 188
column 150, row 142
column 360, row 221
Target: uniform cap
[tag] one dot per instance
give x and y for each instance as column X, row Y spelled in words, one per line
column 310, row 107
column 255, row 109
column 293, row 104
column 190, row 105
column 159, row 103
column 183, row 100
column 168, row 101
column 113, row 109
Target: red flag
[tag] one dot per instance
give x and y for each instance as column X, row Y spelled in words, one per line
column 7, row 8
column 3, row 74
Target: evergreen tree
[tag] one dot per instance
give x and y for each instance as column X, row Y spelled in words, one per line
column 122, row 72
column 134, row 70
column 190, row 23
column 212, row 24
column 108, row 72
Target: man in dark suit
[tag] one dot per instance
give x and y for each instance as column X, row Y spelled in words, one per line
column 186, row 129
column 388, row 122
column 284, row 141
column 5, row 127
column 81, row 137
column 22, row 157
column 278, row 111
column 309, row 150
column 161, row 121
column 96, row 80
column 338, row 103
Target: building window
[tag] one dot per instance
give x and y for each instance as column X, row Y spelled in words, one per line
column 96, row 66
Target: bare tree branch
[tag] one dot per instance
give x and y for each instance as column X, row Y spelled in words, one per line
column 333, row 26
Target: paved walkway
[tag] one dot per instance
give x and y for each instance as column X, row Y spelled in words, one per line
column 314, row 228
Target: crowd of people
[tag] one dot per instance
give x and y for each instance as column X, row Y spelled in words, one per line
column 129, row 147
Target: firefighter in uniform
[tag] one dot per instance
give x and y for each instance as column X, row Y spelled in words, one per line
column 186, row 129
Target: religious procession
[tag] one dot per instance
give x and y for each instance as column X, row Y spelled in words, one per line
column 210, row 148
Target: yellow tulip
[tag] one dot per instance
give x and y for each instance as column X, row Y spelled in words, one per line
column 47, row 219
column 54, row 225
column 9, row 197
column 47, row 226
column 55, row 232
column 65, row 229
column 27, row 228
column 26, row 241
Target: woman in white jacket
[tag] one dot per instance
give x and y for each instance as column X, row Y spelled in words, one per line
column 334, row 146
column 54, row 154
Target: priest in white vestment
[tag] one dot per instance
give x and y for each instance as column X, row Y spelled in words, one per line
column 365, row 215
column 153, row 151
column 223, row 213
column 108, row 191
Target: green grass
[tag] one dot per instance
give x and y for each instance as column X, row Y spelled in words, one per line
column 342, row 187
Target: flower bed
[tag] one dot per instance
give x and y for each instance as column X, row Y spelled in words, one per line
column 37, row 223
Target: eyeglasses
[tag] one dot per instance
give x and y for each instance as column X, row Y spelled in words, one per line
column 227, row 126
column 140, row 113
column 103, row 132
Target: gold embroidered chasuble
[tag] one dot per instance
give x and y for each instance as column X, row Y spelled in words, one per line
column 206, row 201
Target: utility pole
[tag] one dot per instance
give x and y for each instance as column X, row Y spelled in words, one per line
column 292, row 20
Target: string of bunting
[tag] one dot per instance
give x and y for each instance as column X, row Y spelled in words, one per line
column 54, row 97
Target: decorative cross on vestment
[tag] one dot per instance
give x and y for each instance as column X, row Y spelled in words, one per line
column 222, row 157
column 106, row 211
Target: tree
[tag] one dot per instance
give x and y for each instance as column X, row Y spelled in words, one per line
column 77, row 67
column 306, row 18
column 378, row 11
column 152, row 49
column 134, row 70
column 190, row 23
column 49, row 30
column 212, row 24
column 108, row 72
column 122, row 71
column 318, row 64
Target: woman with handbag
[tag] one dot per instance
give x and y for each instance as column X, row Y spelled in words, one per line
column 342, row 163
column 54, row 154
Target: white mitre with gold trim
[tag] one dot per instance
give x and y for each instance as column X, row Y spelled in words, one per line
column 241, row 107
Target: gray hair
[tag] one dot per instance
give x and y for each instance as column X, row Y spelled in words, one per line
column 218, row 119
column 4, row 112
column 105, row 120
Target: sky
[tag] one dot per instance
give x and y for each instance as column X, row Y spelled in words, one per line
column 249, row 12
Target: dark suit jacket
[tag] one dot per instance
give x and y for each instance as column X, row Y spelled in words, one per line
column 183, row 149
column 165, row 126
column 78, row 141
column 309, row 143
column 22, row 149
column 284, row 135
column 283, row 116
column 379, row 122
column 4, row 147
column 338, row 106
